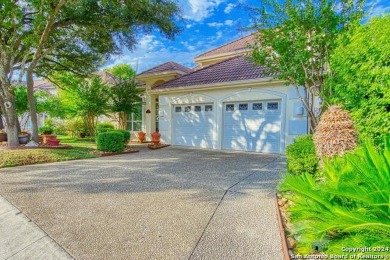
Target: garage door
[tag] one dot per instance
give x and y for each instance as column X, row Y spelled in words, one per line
column 193, row 125
column 252, row 126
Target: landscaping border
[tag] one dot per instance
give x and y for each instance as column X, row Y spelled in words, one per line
column 286, row 254
column 117, row 153
column 152, row 147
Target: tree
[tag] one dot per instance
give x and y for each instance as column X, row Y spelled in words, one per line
column 361, row 77
column 125, row 94
column 87, row 98
column 122, row 71
column 295, row 39
column 39, row 37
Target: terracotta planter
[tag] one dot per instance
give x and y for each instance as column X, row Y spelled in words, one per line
column 141, row 136
column 3, row 137
column 47, row 138
column 40, row 139
column 156, row 138
column 54, row 142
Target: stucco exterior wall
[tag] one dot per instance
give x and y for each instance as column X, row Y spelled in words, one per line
column 293, row 116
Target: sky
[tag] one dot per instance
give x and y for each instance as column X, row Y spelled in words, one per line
column 206, row 24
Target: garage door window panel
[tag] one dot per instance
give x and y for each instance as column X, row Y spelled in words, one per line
column 230, row 107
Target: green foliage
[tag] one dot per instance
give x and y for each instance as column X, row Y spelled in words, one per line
column 348, row 207
column 47, row 130
column 60, row 128
column 74, row 126
column 122, row 71
column 295, row 39
column 361, row 80
column 112, row 141
column 126, row 135
column 21, row 103
column 85, row 98
column 104, row 127
column 301, row 156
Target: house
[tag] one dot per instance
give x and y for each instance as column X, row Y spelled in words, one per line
column 225, row 103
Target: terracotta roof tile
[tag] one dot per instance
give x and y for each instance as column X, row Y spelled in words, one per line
column 168, row 66
column 234, row 69
column 236, row 45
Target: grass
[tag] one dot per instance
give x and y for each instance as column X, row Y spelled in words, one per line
column 82, row 148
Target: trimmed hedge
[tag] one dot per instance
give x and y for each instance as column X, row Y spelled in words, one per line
column 112, row 141
column 301, row 156
column 104, row 127
column 126, row 134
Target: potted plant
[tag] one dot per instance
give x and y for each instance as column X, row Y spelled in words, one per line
column 24, row 138
column 47, row 132
column 141, row 136
column 3, row 136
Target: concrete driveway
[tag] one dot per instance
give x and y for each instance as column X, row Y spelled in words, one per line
column 172, row 203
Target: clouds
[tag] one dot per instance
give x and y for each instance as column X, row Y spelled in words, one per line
column 217, row 25
column 198, row 10
column 229, row 8
column 378, row 7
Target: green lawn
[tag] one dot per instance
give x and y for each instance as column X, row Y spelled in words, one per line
column 82, row 149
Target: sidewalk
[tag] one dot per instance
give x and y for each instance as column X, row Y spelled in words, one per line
column 20, row 238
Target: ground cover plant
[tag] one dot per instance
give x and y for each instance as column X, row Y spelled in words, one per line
column 82, row 149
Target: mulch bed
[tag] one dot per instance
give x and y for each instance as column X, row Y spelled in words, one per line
column 127, row 151
column 159, row 146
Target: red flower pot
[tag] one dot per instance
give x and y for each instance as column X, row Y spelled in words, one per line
column 156, row 138
column 54, row 142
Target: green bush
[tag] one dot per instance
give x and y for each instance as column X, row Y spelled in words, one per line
column 74, row 126
column 104, row 127
column 46, row 129
column 347, row 207
column 126, row 134
column 112, row 141
column 60, row 128
column 301, row 156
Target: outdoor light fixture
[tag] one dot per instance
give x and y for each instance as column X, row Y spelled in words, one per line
column 148, row 111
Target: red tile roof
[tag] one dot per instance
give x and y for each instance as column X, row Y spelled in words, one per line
column 234, row 46
column 234, row 69
column 168, row 66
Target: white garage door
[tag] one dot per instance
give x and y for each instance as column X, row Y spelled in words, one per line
column 193, row 125
column 252, row 126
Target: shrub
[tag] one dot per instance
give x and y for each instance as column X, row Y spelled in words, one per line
column 112, row 141
column 301, row 156
column 126, row 134
column 347, row 207
column 74, row 126
column 46, row 130
column 60, row 128
column 104, row 127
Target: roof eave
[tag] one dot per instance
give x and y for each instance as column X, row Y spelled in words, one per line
column 229, row 84
column 160, row 74
column 226, row 55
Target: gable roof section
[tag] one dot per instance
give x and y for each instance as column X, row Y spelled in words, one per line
column 234, row 46
column 234, row 69
column 167, row 66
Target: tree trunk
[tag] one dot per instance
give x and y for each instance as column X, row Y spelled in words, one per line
column 11, row 119
column 1, row 122
column 33, row 106
column 122, row 118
